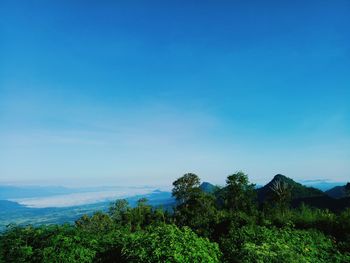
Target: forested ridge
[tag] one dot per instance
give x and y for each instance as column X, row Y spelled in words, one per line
column 280, row 222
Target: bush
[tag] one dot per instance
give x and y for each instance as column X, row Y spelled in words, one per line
column 169, row 243
column 261, row 244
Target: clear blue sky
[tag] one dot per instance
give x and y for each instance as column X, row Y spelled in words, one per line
column 140, row 92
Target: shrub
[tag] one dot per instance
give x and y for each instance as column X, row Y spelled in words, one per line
column 169, row 243
column 261, row 244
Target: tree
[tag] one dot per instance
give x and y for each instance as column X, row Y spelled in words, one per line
column 199, row 212
column 141, row 215
column 66, row 248
column 14, row 246
column 239, row 194
column 281, row 194
column 98, row 223
column 185, row 186
column 119, row 210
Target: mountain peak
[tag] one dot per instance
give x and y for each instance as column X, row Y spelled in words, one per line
column 297, row 190
column 283, row 178
column 337, row 192
column 280, row 177
column 208, row 187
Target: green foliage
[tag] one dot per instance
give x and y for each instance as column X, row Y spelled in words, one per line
column 343, row 221
column 14, row 245
column 262, row 244
column 119, row 210
column 169, row 243
column 280, row 194
column 98, row 222
column 229, row 216
column 239, row 194
column 66, row 248
column 185, row 186
column 305, row 218
column 138, row 217
column 45, row 244
column 198, row 212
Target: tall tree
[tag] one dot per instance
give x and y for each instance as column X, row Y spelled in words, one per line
column 239, row 193
column 281, row 194
column 185, row 186
column 119, row 210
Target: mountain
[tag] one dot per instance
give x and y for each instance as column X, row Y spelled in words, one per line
column 337, row 192
column 323, row 185
column 297, row 190
column 208, row 187
column 309, row 196
column 6, row 205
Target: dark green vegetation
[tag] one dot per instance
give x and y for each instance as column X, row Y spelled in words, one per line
column 296, row 194
column 234, row 223
column 339, row 191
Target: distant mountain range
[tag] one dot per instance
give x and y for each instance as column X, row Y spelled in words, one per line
column 323, row 185
column 333, row 199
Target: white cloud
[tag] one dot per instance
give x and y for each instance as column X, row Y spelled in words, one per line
column 75, row 199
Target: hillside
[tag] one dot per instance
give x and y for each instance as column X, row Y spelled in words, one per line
column 333, row 199
column 6, row 205
column 337, row 192
column 297, row 190
column 208, row 187
column 229, row 227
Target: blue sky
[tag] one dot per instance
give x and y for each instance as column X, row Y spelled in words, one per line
column 140, row 92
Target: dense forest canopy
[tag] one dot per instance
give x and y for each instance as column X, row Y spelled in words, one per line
column 233, row 223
